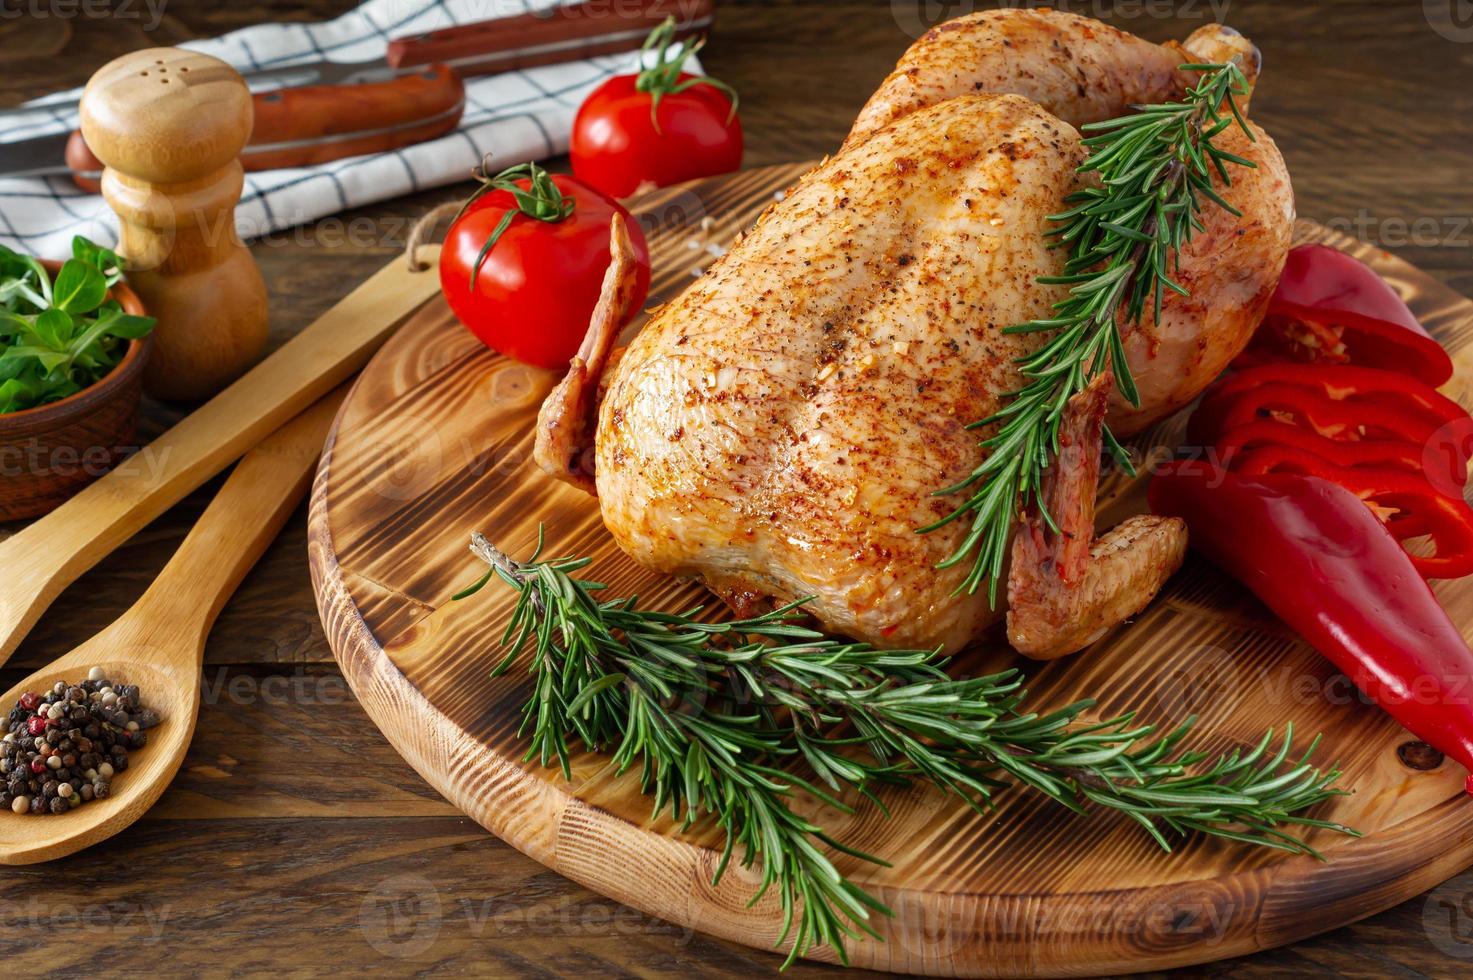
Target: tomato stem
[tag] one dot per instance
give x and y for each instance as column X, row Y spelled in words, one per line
column 541, row 200
column 663, row 77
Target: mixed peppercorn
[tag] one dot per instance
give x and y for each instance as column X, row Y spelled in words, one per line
column 62, row 748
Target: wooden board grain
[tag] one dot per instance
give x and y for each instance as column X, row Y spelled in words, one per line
column 434, row 442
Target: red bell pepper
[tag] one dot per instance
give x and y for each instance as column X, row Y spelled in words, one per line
column 1331, row 308
column 1343, row 403
column 1405, row 502
column 1317, row 557
column 1393, row 454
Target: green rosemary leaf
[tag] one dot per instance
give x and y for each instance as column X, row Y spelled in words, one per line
column 1155, row 168
column 728, row 721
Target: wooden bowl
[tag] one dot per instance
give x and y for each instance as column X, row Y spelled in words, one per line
column 49, row 452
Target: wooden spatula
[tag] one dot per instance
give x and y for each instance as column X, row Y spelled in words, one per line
column 159, row 644
column 46, row 557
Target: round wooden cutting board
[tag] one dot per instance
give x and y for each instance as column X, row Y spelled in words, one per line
column 434, row 442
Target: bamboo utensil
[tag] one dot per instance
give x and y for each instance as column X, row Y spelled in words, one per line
column 169, row 125
column 159, row 643
column 47, row 556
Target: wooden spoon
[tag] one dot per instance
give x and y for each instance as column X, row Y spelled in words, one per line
column 49, row 554
column 159, row 644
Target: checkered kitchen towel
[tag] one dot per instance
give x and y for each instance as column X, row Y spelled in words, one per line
column 518, row 116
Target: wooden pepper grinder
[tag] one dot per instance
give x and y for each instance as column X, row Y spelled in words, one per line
column 169, row 126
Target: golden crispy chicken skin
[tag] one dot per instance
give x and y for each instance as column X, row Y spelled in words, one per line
column 781, row 428
column 1077, row 68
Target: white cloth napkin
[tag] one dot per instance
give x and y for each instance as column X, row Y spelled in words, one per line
column 517, row 116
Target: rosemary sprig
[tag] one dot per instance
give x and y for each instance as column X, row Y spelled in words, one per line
column 720, row 719
column 1124, row 236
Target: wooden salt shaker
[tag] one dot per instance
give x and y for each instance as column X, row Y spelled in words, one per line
column 169, row 125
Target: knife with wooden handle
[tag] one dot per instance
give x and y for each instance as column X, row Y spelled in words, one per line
column 570, row 33
column 297, row 127
column 333, row 109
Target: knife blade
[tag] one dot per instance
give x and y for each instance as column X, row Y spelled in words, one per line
column 552, row 36
column 477, row 49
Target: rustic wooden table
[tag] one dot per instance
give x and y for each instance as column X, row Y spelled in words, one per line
column 294, row 838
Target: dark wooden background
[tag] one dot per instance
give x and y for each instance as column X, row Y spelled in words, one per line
column 295, row 840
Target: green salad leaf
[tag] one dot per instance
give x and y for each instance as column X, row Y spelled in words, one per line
column 59, row 336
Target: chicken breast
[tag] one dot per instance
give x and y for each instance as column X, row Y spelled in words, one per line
column 782, row 428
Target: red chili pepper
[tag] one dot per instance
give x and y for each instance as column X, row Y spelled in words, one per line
column 1375, row 453
column 1340, row 402
column 1317, row 557
column 1332, row 308
column 1405, row 502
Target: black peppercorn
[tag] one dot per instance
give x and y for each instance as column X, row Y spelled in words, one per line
column 78, row 752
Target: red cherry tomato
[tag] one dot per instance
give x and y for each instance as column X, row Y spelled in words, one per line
column 616, row 146
column 538, row 284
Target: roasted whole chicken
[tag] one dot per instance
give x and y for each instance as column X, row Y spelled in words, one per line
column 782, row 428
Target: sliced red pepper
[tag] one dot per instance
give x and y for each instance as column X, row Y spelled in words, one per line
column 1405, row 502
column 1334, row 309
column 1314, row 554
column 1343, row 403
column 1392, row 454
